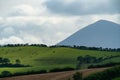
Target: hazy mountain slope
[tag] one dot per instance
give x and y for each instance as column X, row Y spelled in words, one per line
column 100, row 34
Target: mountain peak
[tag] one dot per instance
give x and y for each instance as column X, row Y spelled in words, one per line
column 102, row 33
column 104, row 22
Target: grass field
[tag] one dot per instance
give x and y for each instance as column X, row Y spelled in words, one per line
column 48, row 58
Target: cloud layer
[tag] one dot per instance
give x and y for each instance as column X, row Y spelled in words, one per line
column 48, row 22
column 48, row 30
column 83, row 7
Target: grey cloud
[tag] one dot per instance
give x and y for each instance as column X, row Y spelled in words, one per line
column 7, row 30
column 13, row 31
column 84, row 7
column 30, row 31
column 116, row 5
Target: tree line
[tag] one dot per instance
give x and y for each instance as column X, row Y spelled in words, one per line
column 87, row 48
column 18, row 45
column 54, row 46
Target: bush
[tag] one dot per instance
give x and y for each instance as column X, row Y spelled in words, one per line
column 43, row 71
column 77, row 76
column 30, row 72
column 104, row 65
column 5, row 74
column 108, row 74
column 61, row 69
column 8, row 74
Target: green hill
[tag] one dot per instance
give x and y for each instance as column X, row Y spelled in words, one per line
column 47, row 58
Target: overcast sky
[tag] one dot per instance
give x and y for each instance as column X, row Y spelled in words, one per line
column 50, row 21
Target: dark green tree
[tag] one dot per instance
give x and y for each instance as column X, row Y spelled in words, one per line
column 18, row 61
column 5, row 74
column 80, row 60
column 77, row 76
column 6, row 61
column 1, row 60
column 87, row 59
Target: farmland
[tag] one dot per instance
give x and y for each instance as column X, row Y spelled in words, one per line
column 40, row 58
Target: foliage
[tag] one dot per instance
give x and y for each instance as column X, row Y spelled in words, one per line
column 118, row 78
column 77, row 76
column 18, row 61
column 5, row 62
column 5, row 74
column 91, row 59
column 108, row 74
column 61, row 69
column 104, row 65
column 19, row 45
column 8, row 74
column 87, row 48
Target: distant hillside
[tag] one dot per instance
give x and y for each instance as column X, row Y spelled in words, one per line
column 102, row 33
column 48, row 58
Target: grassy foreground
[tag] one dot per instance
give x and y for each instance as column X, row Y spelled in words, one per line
column 47, row 58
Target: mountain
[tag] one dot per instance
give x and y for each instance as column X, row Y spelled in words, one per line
column 102, row 33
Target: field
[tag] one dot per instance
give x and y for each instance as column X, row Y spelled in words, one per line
column 48, row 58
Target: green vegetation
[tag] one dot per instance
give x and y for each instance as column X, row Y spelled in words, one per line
column 100, row 65
column 45, row 58
column 108, row 74
column 61, row 69
column 5, row 62
column 87, row 59
column 117, row 78
column 77, row 76
column 9, row 74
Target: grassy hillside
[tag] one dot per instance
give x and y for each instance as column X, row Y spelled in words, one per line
column 48, row 58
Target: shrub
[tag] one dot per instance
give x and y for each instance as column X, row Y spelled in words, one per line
column 104, row 65
column 108, row 74
column 61, row 69
column 77, row 76
column 55, row 70
column 5, row 74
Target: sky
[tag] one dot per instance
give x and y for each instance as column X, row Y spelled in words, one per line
column 51, row 21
